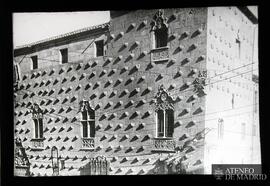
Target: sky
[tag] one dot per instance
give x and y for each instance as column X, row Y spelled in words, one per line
column 32, row 27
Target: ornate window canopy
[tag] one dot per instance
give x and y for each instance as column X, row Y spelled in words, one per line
column 163, row 100
column 36, row 111
column 159, row 21
column 85, row 106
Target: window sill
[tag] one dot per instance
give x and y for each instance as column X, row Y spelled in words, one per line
column 160, row 54
column 160, row 48
column 87, row 120
column 163, row 138
column 37, row 139
column 22, row 166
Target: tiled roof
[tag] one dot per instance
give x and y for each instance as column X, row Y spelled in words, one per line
column 66, row 35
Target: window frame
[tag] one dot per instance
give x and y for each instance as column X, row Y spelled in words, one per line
column 220, row 129
column 88, row 123
column 34, row 60
column 63, row 59
column 167, row 124
column 159, row 35
column 97, row 49
column 243, row 131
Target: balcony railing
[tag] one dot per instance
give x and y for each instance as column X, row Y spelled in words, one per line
column 37, row 143
column 160, row 54
column 163, row 145
column 88, row 143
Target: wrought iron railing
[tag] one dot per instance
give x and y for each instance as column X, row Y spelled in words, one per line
column 88, row 143
column 163, row 145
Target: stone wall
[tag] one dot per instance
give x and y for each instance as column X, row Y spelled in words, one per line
column 230, row 92
column 121, row 88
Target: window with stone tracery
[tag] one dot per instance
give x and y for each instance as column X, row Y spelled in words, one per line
column 37, row 117
column 160, row 30
column 164, row 114
column 87, row 120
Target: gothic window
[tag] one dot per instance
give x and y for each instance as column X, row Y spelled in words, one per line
column 253, row 130
column 160, row 30
column 37, row 117
column 87, row 120
column 161, row 37
column 64, row 55
column 164, row 114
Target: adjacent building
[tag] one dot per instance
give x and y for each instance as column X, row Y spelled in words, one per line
column 160, row 91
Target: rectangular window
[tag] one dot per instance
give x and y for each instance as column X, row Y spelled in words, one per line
column 64, row 55
column 34, row 62
column 99, row 48
column 161, row 38
column 36, row 128
column 160, row 118
column 84, row 116
column 169, row 123
column 85, row 129
column 256, row 102
column 232, row 101
column 165, row 123
column 40, row 123
column 220, row 128
column 253, row 130
column 92, row 128
column 243, row 130
column 238, row 42
column 62, row 162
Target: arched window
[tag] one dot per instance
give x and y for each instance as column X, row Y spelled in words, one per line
column 164, row 114
column 159, row 30
column 87, row 120
column 37, row 117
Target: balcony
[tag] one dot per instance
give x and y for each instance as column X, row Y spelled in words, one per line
column 163, row 145
column 160, row 54
column 37, row 143
column 88, row 143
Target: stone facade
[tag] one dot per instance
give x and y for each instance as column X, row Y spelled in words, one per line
column 124, row 88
